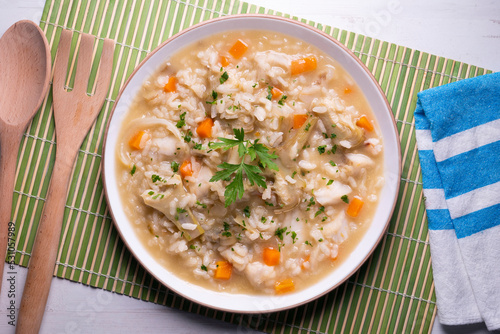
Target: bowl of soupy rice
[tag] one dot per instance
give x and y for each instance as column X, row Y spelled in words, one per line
column 251, row 163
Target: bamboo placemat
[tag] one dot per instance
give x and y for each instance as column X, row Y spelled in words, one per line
column 392, row 293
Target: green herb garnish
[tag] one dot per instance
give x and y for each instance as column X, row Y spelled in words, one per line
column 235, row 189
column 345, row 198
column 279, row 232
column 281, row 102
column 134, row 168
column 181, row 121
column 223, row 78
column 175, row 166
column 269, row 93
column 246, row 211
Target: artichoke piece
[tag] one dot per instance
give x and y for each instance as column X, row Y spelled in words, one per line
column 292, row 146
column 348, row 133
column 287, row 193
column 165, row 202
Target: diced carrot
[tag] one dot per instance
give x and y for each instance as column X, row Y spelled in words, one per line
column 257, row 134
column 223, row 271
column 276, row 92
column 304, row 65
column 347, row 90
column 204, row 129
column 271, row 256
column 224, row 61
column 136, row 142
column 299, row 120
column 186, row 168
column 355, row 206
column 364, row 123
column 171, row 85
column 284, row 286
column 305, row 263
column 238, row 49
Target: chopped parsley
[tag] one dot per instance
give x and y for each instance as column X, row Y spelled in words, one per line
column 181, row 121
column 269, row 93
column 223, row 77
column 188, row 136
column 329, row 182
column 204, row 206
column 321, row 149
column 279, row 232
column 198, row 146
column 294, row 173
column 246, row 211
column 294, row 236
column 226, row 232
column 308, row 243
column 203, row 267
column 255, row 85
column 334, row 149
column 308, row 126
column 345, row 198
column 263, row 220
column 332, row 163
column 281, row 102
column 156, row 178
column 134, row 168
column 235, row 189
column 320, row 211
column 175, row 166
column 268, row 203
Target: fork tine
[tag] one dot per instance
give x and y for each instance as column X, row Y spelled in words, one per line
column 84, row 64
column 62, row 58
column 103, row 73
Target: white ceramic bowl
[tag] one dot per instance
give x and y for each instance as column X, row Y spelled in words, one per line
column 364, row 79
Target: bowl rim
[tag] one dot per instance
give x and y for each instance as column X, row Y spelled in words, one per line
column 303, row 25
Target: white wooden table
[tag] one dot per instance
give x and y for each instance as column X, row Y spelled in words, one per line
column 464, row 30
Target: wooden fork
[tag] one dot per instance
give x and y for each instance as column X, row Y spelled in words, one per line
column 74, row 114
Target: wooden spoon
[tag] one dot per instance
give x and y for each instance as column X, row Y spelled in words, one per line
column 24, row 81
column 74, row 114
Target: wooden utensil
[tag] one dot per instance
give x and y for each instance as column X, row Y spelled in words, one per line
column 24, row 81
column 74, row 114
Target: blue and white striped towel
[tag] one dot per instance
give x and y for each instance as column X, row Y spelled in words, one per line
column 458, row 138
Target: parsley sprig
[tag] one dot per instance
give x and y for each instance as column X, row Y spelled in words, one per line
column 252, row 149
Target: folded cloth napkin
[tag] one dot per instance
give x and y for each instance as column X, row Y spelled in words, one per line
column 458, row 138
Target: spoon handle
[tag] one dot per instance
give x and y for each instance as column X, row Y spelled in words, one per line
column 45, row 248
column 9, row 147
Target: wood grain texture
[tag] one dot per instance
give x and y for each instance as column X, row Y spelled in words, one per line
column 24, row 81
column 74, row 114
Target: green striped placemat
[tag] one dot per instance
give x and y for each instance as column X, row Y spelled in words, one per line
column 393, row 292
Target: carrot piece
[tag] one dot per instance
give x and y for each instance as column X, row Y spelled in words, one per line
column 299, row 120
column 347, row 90
column 305, row 263
column 223, row 271
column 271, row 256
column 355, row 206
column 238, row 49
column 171, row 85
column 204, row 129
column 304, row 65
column 186, row 168
column 136, row 141
column 224, row 61
column 364, row 123
column 276, row 92
column 284, row 286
